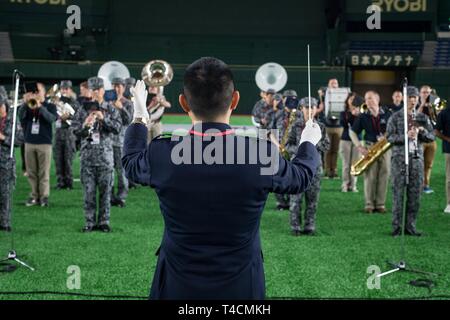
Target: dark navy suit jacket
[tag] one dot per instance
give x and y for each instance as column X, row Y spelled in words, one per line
column 211, row 246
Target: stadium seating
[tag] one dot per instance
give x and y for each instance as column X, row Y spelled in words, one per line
column 442, row 53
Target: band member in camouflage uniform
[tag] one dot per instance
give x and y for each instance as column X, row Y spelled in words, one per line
column 64, row 146
column 311, row 196
column 96, row 123
column 125, row 108
column 281, row 116
column 7, row 165
column 420, row 131
column 263, row 112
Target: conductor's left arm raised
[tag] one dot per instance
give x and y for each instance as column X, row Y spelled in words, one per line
column 136, row 151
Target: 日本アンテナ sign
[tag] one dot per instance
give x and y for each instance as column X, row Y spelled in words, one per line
column 367, row 59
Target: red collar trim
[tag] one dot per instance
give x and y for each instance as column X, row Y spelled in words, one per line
column 219, row 134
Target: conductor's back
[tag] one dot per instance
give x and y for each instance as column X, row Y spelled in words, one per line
column 212, row 186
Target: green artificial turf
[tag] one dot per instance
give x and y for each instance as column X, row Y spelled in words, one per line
column 331, row 265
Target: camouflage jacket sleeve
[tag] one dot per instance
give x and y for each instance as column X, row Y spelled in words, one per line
column 294, row 136
column 126, row 113
column 324, row 144
column 395, row 135
column 78, row 124
column 112, row 122
column 426, row 135
column 8, row 131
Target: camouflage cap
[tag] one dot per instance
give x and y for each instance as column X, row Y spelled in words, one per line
column 65, row 84
column 413, row 92
column 118, row 81
column 290, row 93
column 130, row 81
column 304, row 103
column 278, row 97
column 96, row 83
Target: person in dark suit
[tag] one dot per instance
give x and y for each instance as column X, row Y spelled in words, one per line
column 212, row 186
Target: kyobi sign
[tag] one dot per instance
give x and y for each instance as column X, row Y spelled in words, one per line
column 411, row 6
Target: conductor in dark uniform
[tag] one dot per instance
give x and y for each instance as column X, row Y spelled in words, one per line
column 212, row 186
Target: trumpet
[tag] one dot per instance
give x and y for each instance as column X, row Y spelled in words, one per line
column 32, row 103
column 363, row 108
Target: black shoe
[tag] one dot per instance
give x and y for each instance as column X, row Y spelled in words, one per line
column 32, row 202
column 397, row 233
column 60, row 187
column 114, row 202
column 282, row 207
column 5, row 229
column 309, row 233
column 87, row 229
column 121, row 203
column 413, row 233
column 296, row 233
column 44, row 203
column 104, row 228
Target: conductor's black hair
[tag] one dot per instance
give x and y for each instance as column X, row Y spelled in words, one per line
column 209, row 88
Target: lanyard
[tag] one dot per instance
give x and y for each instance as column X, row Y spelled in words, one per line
column 35, row 115
column 219, row 134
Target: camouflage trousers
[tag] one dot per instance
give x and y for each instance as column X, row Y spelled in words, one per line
column 93, row 179
column 64, row 151
column 413, row 191
column 7, row 184
column 282, row 200
column 122, row 188
column 312, row 200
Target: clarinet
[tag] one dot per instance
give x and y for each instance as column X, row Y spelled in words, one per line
column 92, row 129
column 412, row 125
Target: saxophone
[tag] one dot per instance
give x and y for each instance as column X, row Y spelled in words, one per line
column 284, row 140
column 375, row 152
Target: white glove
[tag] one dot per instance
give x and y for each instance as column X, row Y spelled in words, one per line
column 311, row 133
column 140, row 95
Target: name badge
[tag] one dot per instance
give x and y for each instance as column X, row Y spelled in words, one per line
column 58, row 124
column 96, row 138
column 35, row 128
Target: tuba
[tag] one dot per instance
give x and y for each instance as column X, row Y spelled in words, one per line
column 157, row 74
column 271, row 76
column 111, row 70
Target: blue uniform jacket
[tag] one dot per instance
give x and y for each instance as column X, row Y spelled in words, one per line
column 211, row 246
